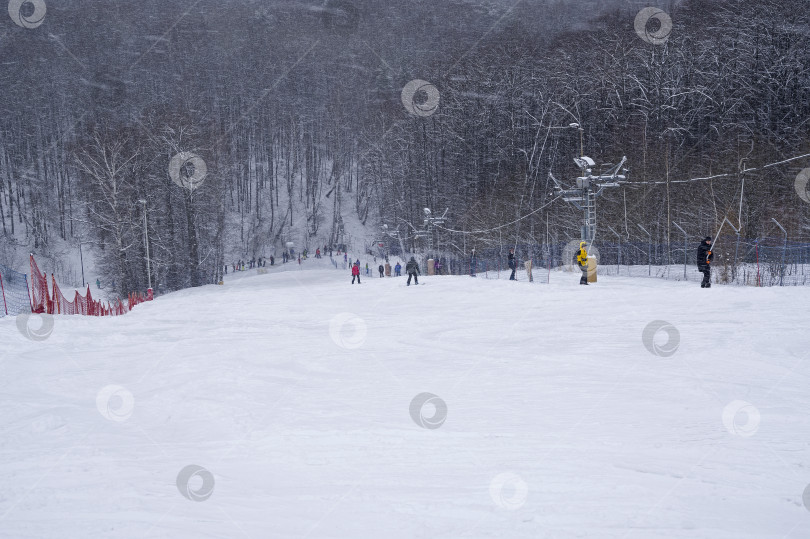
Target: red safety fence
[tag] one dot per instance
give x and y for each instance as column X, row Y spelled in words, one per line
column 135, row 298
column 40, row 298
column 56, row 303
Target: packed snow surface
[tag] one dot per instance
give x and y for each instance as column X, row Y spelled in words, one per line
column 293, row 404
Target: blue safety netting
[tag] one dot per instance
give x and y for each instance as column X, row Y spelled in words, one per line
column 14, row 298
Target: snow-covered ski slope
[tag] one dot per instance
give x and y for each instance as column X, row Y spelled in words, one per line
column 299, row 398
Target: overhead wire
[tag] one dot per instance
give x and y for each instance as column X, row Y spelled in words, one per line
column 725, row 175
column 501, row 226
column 715, row 176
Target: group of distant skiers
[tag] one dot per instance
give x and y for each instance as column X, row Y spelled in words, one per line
column 286, row 256
column 411, row 268
column 241, row 265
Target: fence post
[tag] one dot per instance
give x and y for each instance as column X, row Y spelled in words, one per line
column 649, row 249
column 619, row 261
column 685, row 254
column 3, row 291
column 57, row 307
column 736, row 249
column 28, row 289
column 784, row 249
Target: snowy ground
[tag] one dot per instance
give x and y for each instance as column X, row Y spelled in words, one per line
column 561, row 419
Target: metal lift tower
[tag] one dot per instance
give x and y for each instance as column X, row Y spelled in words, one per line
column 430, row 222
column 588, row 188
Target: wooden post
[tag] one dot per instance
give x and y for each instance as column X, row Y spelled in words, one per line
column 591, row 269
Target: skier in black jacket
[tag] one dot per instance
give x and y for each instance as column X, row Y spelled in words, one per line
column 704, row 260
column 512, row 264
column 413, row 270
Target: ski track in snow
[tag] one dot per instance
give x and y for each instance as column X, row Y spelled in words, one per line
column 307, row 438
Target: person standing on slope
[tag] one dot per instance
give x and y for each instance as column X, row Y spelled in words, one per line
column 512, row 264
column 356, row 273
column 381, row 268
column 581, row 258
column 398, row 270
column 704, row 259
column 412, row 268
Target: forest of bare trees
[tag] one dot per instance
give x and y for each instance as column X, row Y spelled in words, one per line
column 296, row 109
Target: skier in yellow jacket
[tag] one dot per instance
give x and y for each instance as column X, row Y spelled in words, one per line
column 581, row 258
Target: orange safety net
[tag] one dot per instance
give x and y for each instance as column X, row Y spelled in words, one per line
column 40, row 299
column 56, row 303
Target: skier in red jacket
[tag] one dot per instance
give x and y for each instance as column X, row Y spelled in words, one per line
column 356, row 272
